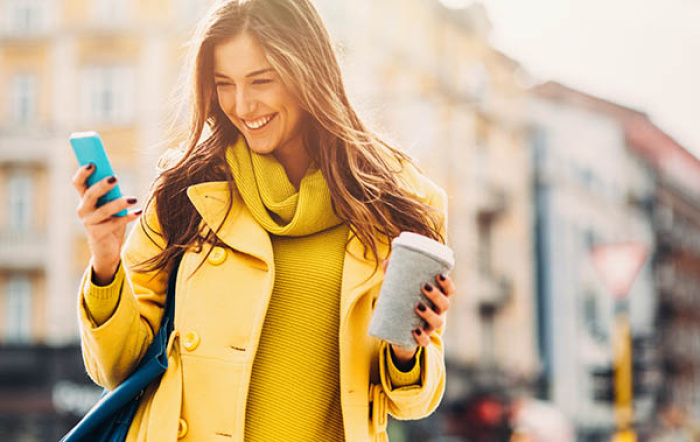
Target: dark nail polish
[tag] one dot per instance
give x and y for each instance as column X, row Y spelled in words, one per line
column 418, row 331
column 421, row 306
column 111, row 179
column 138, row 212
column 131, row 200
column 89, row 166
column 441, row 277
column 428, row 287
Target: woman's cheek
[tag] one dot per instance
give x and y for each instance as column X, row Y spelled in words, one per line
column 224, row 101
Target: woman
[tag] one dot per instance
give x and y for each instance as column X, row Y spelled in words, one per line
column 281, row 218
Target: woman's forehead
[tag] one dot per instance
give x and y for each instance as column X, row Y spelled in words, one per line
column 239, row 56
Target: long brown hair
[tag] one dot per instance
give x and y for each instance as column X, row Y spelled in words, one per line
column 360, row 168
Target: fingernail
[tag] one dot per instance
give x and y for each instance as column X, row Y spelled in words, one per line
column 138, row 212
column 111, row 179
column 418, row 331
column 428, row 287
column 421, row 306
column 89, row 166
column 131, row 200
column 441, row 277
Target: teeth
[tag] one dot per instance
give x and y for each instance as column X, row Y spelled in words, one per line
column 260, row 122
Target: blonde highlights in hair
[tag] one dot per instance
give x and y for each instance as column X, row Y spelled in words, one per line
column 362, row 171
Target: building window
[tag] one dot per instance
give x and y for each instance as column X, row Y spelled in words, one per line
column 19, row 193
column 18, row 310
column 192, row 10
column 478, row 82
column 484, row 245
column 25, row 16
column 108, row 94
column 110, row 12
column 23, row 96
column 592, row 317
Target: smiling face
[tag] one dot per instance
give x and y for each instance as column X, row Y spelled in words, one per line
column 251, row 94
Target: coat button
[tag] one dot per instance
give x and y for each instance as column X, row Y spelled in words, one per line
column 191, row 340
column 182, row 428
column 217, row 256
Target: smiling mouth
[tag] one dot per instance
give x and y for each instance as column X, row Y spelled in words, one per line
column 258, row 123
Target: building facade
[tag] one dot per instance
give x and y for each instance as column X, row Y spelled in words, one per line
column 659, row 185
column 584, row 183
column 68, row 66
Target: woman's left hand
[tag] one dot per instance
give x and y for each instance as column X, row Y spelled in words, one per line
column 439, row 294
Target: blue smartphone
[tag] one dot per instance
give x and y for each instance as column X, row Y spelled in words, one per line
column 88, row 148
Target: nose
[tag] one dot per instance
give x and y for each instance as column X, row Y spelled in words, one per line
column 245, row 103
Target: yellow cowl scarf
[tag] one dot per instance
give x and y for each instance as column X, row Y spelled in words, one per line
column 272, row 198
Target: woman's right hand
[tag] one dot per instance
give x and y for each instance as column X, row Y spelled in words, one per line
column 105, row 233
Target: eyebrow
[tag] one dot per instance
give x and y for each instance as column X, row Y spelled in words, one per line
column 252, row 74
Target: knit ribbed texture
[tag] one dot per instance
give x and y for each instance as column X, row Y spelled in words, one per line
column 294, row 392
column 101, row 301
column 272, row 198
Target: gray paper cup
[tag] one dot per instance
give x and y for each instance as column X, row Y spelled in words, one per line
column 415, row 260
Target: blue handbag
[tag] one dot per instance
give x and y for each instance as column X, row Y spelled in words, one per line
column 110, row 418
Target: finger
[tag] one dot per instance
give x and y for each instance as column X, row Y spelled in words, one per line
column 80, row 177
column 446, row 284
column 385, row 264
column 421, row 337
column 433, row 320
column 439, row 299
column 108, row 210
column 113, row 223
column 95, row 191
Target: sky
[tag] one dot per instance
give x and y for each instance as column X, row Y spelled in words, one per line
column 644, row 54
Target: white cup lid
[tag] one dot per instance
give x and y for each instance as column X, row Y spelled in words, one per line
column 427, row 245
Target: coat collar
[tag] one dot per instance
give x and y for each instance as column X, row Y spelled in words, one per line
column 243, row 233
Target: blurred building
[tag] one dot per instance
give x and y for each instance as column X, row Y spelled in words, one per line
column 657, row 184
column 587, row 186
column 676, row 217
column 421, row 73
column 67, row 66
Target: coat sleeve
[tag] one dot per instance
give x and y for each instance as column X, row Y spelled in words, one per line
column 420, row 400
column 112, row 349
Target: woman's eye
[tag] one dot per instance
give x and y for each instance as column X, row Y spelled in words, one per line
column 223, row 84
column 262, row 81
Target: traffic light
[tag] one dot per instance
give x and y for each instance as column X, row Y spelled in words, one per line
column 603, row 379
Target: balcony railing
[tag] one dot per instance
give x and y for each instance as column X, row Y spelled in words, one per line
column 491, row 201
column 26, row 144
column 493, row 291
column 22, row 248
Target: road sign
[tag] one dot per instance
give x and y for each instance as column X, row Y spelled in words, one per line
column 618, row 265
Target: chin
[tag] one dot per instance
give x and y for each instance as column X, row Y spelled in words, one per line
column 261, row 148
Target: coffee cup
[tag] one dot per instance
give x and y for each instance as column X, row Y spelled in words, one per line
column 415, row 260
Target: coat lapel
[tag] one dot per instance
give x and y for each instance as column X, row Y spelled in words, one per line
column 243, row 233
column 358, row 273
column 240, row 230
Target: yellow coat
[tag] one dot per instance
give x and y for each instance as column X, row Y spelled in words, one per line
column 219, row 314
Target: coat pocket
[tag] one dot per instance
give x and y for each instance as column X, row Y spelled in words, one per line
column 378, row 412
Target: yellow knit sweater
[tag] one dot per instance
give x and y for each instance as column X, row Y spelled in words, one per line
column 294, row 390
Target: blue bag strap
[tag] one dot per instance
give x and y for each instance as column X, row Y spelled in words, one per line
column 169, row 314
column 104, row 420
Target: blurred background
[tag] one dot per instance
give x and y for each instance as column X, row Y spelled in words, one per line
column 565, row 133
